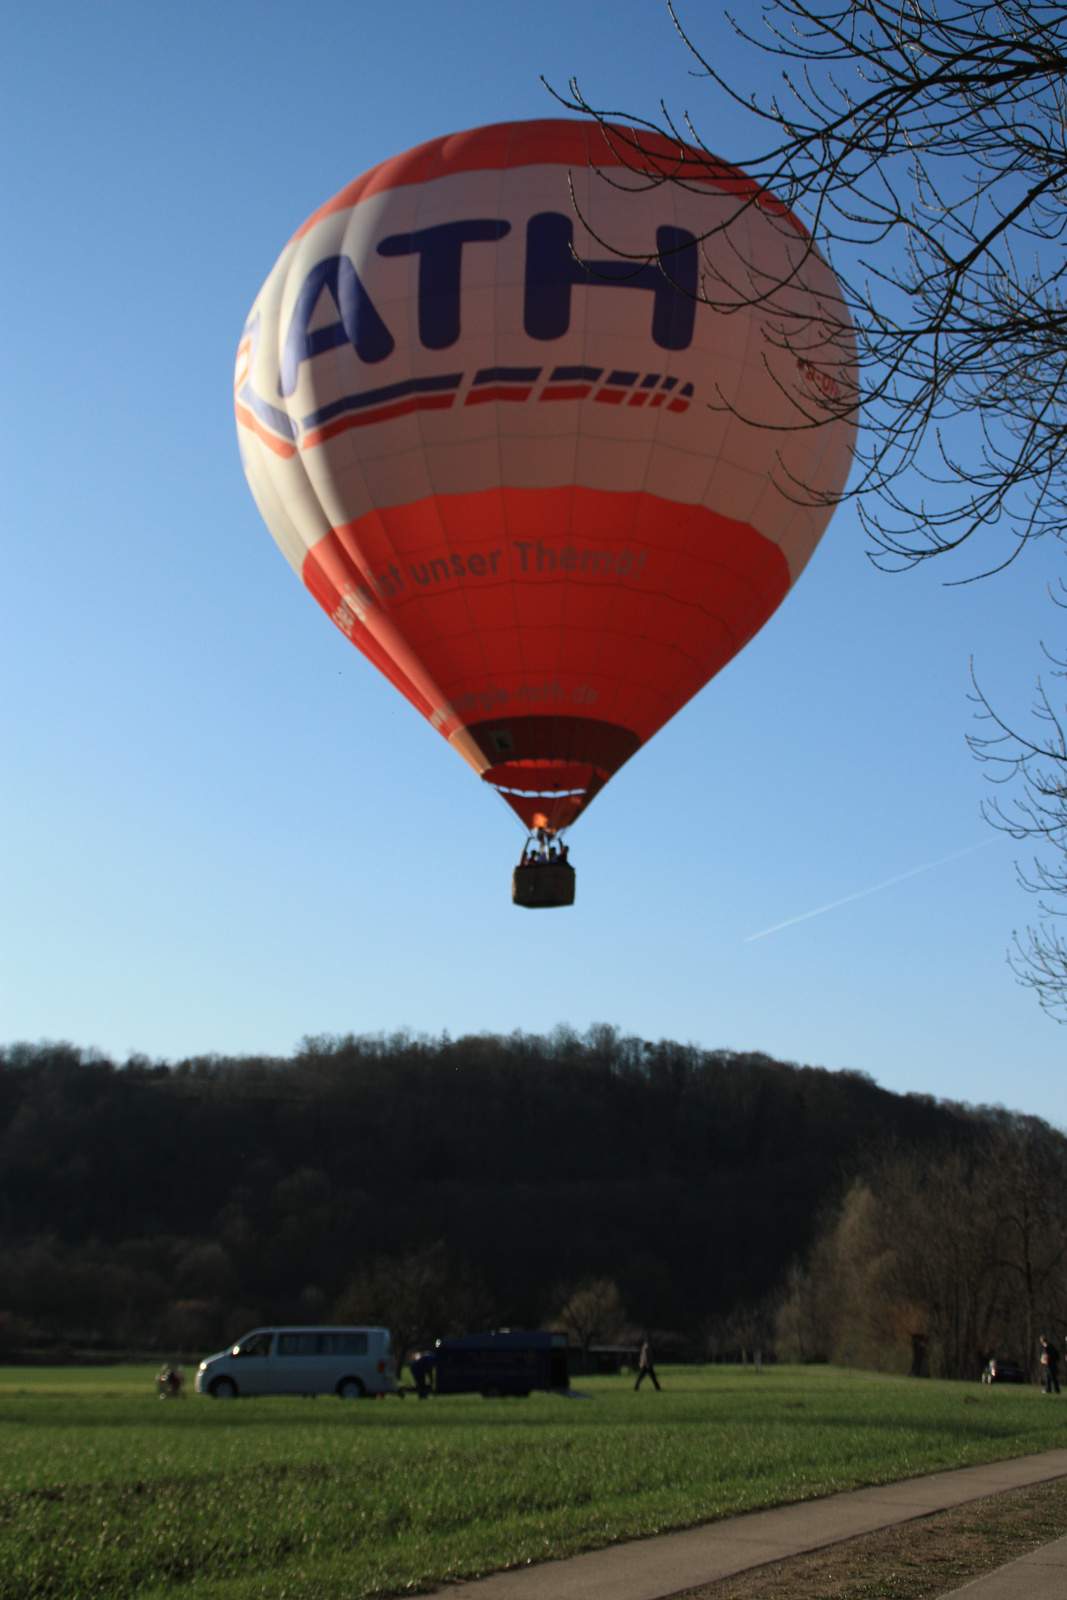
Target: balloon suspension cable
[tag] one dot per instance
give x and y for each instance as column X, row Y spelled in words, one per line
column 529, row 833
column 544, row 846
column 516, row 819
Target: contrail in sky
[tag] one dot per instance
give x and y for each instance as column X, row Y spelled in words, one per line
column 888, row 884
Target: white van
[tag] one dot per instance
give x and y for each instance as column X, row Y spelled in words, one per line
column 350, row 1362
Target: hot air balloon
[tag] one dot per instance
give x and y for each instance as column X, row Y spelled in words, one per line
column 525, row 432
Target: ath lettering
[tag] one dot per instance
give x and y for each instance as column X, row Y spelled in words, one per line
column 360, row 324
column 440, row 253
column 552, row 270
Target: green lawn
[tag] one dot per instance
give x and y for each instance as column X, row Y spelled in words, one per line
column 106, row 1491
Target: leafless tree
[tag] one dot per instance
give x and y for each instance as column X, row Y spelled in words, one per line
column 965, row 1254
column 420, row 1298
column 593, row 1311
column 924, row 145
column 1027, row 1187
column 802, row 1331
column 1035, row 763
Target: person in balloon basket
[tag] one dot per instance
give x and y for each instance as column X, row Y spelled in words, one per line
column 645, row 1369
column 1050, row 1360
column 544, row 854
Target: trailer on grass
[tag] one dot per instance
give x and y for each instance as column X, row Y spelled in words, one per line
column 505, row 1361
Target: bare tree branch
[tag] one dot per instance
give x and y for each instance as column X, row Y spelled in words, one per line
column 923, row 145
column 939, row 130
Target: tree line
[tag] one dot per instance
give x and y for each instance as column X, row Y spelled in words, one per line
column 439, row 1185
column 937, row 1266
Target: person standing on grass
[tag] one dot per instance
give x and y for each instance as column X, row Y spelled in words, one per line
column 1050, row 1360
column 645, row 1369
column 422, row 1367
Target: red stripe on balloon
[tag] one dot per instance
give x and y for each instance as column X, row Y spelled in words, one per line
column 552, row 141
column 281, row 447
column 567, row 391
column 363, row 419
column 478, row 397
column 492, row 637
column 327, row 577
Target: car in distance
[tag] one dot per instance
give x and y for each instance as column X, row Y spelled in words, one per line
column 349, row 1362
column 999, row 1371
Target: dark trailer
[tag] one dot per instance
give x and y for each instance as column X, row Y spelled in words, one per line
column 501, row 1363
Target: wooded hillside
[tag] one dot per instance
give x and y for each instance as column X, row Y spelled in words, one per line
column 175, row 1206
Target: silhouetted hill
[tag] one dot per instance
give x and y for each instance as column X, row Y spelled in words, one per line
column 145, row 1203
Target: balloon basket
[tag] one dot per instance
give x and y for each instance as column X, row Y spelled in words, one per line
column 539, row 886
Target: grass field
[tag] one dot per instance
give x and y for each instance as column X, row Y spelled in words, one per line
column 106, row 1491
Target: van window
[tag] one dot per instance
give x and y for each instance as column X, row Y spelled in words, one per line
column 322, row 1344
column 344, row 1344
column 257, row 1345
column 298, row 1344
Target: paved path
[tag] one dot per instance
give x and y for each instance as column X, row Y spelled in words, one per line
column 650, row 1569
column 1041, row 1576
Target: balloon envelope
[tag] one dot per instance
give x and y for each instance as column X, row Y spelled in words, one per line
column 544, row 486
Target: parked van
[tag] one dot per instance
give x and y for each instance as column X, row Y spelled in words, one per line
column 350, row 1362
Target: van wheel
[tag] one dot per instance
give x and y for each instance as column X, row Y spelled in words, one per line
column 351, row 1389
column 493, row 1391
column 224, row 1389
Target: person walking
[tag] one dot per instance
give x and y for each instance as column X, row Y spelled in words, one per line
column 645, row 1369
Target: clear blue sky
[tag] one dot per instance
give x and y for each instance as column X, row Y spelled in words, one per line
column 221, row 829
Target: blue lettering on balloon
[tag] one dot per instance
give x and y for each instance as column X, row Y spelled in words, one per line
column 440, row 253
column 552, row 269
column 360, row 324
